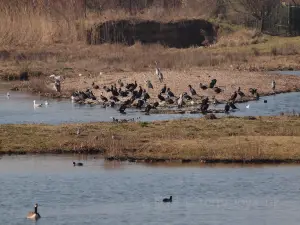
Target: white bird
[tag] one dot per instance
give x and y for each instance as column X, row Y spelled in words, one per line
column 159, row 73
column 80, row 74
column 46, row 102
column 36, row 105
column 7, row 94
column 55, row 77
column 180, row 101
column 34, row 215
column 273, row 84
column 78, row 131
column 247, row 106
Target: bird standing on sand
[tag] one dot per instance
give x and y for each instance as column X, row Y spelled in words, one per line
column 192, row 90
column 34, row 215
column 158, row 73
column 273, row 84
column 149, row 84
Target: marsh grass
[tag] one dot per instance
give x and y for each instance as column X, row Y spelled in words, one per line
column 265, row 138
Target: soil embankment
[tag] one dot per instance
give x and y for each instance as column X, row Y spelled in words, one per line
column 178, row 34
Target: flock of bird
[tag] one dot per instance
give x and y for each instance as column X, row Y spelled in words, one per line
column 134, row 95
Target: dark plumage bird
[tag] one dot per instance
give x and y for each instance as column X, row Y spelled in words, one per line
column 155, row 105
column 146, row 96
column 170, row 93
column 147, row 109
column 112, row 104
column 233, row 96
column 114, row 98
column 212, row 83
column 205, row 101
column 107, row 89
column 122, row 108
column 167, row 199
column 170, row 101
column 133, row 87
column 192, row 90
column 95, row 86
column 241, row 94
column 187, row 97
column 252, row 91
column 204, row 107
column 227, row 107
column 114, row 91
column 217, row 90
column 160, row 97
column 77, row 164
column 103, row 98
column 203, row 87
column 231, row 104
column 139, row 93
column 164, row 89
column 123, row 93
column 140, row 103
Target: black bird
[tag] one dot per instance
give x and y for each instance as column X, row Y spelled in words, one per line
column 103, row 98
column 112, row 104
column 77, row 164
column 95, row 86
column 155, row 105
column 217, row 90
column 204, row 107
column 147, row 109
column 123, row 93
column 227, row 107
column 146, row 96
column 122, row 109
column 107, row 89
column 192, row 90
column 205, row 101
column 240, row 93
column 139, row 93
column 170, row 93
column 160, row 97
column 167, row 199
column 114, row 98
column 203, row 87
column 140, row 103
column 231, row 104
column 133, row 86
column 253, row 91
column 163, row 90
column 114, row 91
column 170, row 101
column 187, row 97
column 233, row 96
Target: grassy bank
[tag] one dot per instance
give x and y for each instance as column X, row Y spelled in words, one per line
column 228, row 139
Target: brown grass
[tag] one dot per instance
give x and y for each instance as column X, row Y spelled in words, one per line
column 266, row 138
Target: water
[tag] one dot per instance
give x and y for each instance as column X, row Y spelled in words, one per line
column 295, row 73
column 18, row 108
column 112, row 193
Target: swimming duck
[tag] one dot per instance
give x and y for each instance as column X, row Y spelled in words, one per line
column 77, row 164
column 34, row 215
column 167, row 199
column 36, row 105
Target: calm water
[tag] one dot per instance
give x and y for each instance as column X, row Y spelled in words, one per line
column 113, row 193
column 18, row 108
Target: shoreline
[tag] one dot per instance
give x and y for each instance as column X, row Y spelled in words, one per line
column 263, row 140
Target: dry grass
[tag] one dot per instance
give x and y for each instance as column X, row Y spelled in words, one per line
column 273, row 138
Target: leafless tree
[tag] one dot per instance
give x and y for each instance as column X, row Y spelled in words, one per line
column 258, row 9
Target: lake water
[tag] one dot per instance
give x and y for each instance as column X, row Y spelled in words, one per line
column 18, row 108
column 103, row 192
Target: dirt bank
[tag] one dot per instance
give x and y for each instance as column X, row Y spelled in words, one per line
column 263, row 139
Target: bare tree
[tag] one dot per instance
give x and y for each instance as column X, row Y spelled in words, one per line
column 258, row 9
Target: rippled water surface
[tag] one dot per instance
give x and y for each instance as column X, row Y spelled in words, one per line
column 112, row 193
column 18, row 108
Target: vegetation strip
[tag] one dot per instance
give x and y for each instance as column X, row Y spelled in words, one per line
column 225, row 140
